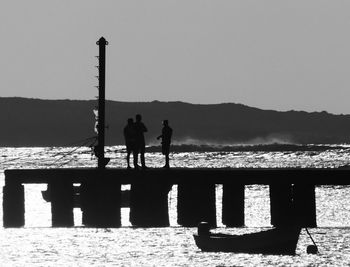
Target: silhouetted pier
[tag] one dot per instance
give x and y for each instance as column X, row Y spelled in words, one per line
column 292, row 191
column 292, row 194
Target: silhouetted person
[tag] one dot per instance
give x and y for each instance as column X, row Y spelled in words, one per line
column 166, row 140
column 140, row 144
column 130, row 139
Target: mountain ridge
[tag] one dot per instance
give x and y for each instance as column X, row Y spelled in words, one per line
column 38, row 122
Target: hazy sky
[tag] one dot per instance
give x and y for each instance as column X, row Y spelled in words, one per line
column 270, row 54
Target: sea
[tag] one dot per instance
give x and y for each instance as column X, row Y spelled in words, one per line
column 38, row 244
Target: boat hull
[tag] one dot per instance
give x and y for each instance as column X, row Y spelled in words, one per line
column 276, row 241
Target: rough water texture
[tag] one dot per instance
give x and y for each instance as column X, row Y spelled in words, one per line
column 37, row 244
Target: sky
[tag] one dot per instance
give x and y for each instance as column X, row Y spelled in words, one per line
column 270, row 54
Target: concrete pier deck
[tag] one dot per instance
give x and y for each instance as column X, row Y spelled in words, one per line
column 266, row 176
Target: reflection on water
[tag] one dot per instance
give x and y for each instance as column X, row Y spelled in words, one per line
column 39, row 244
column 53, row 157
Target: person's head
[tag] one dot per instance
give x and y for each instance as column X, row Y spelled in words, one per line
column 138, row 118
column 130, row 121
column 165, row 122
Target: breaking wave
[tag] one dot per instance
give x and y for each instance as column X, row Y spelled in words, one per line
column 247, row 147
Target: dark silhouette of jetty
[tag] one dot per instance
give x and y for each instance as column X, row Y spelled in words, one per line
column 292, row 194
column 292, row 191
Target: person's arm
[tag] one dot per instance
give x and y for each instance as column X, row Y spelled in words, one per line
column 144, row 128
column 163, row 134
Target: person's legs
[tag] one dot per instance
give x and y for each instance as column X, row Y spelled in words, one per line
column 128, row 158
column 142, row 152
column 167, row 161
column 135, row 156
column 143, row 159
column 165, row 152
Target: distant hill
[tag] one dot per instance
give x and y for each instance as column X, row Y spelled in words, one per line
column 35, row 122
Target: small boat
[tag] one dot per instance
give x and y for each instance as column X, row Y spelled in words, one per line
column 277, row 241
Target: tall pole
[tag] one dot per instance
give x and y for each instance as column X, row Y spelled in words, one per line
column 101, row 102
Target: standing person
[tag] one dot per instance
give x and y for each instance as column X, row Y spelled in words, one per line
column 166, row 140
column 129, row 136
column 140, row 143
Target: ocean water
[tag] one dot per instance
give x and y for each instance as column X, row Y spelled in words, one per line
column 37, row 244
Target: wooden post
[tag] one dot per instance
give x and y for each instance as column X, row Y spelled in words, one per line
column 13, row 205
column 233, row 204
column 62, row 202
column 305, row 204
column 149, row 204
column 109, row 204
column 101, row 102
column 281, row 205
column 196, row 203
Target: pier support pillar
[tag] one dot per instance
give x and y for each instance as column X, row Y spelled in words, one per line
column 149, row 204
column 61, row 192
column 233, row 205
column 196, row 203
column 13, row 205
column 100, row 203
column 281, row 205
column 305, row 204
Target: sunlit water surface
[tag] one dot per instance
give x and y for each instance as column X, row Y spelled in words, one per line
column 37, row 244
